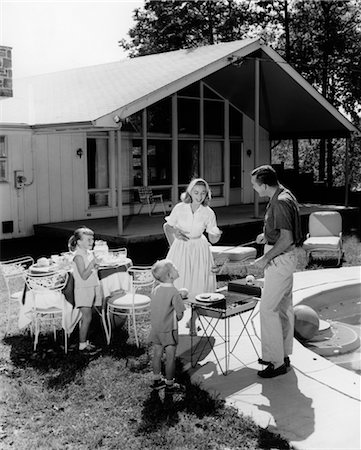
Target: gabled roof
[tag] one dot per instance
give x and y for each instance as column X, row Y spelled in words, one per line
column 95, row 94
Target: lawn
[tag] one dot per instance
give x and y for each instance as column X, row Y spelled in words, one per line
column 50, row 401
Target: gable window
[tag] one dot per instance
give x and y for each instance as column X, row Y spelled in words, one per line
column 3, row 159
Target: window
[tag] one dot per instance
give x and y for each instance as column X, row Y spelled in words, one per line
column 214, row 117
column 159, row 117
column 235, row 164
column 3, row 159
column 98, row 171
column 235, row 122
column 188, row 116
column 188, row 161
column 137, row 167
column 213, row 161
column 159, row 154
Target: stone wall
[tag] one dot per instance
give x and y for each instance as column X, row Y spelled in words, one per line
column 6, row 73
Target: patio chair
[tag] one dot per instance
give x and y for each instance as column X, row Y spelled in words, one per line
column 325, row 234
column 13, row 271
column 146, row 197
column 43, row 288
column 131, row 303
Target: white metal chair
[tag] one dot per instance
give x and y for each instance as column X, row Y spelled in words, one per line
column 325, row 234
column 146, row 197
column 13, row 272
column 131, row 303
column 41, row 287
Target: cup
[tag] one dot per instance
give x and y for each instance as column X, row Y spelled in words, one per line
column 184, row 293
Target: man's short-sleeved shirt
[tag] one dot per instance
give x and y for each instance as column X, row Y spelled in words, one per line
column 282, row 213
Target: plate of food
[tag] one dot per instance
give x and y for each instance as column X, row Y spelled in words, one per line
column 44, row 265
column 210, row 297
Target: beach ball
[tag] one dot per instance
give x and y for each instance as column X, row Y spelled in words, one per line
column 306, row 322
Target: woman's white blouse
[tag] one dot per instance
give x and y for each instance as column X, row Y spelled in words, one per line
column 193, row 224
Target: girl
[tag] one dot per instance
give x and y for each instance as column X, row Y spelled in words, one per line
column 86, row 282
column 190, row 249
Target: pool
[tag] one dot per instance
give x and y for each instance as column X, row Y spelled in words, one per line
column 339, row 340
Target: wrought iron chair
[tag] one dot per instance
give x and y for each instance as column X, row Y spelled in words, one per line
column 146, row 197
column 14, row 271
column 131, row 303
column 43, row 286
column 325, row 234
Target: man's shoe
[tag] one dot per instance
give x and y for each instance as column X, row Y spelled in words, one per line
column 271, row 372
column 286, row 360
column 158, row 384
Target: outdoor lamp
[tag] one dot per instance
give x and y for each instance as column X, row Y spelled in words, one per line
column 79, row 152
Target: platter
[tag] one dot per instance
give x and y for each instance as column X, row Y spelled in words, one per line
column 210, row 297
column 44, row 269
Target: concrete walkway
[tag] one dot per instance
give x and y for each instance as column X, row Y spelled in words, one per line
column 315, row 406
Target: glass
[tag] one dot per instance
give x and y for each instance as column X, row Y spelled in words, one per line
column 159, row 154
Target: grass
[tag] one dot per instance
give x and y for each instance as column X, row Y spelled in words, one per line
column 52, row 401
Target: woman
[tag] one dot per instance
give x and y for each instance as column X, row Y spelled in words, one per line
column 190, row 250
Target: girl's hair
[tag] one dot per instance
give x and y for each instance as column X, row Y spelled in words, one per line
column 78, row 234
column 161, row 269
column 186, row 196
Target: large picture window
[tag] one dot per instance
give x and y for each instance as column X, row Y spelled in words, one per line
column 159, row 154
column 188, row 161
column 159, row 117
column 188, row 116
column 235, row 164
column 213, row 161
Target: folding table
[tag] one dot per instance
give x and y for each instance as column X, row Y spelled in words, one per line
column 235, row 304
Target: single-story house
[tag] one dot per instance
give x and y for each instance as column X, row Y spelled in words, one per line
column 77, row 144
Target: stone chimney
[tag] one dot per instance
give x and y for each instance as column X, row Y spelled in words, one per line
column 6, row 74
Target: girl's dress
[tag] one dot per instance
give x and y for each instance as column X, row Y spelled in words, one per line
column 193, row 258
column 86, row 292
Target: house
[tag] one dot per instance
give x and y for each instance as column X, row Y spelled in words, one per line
column 77, row 144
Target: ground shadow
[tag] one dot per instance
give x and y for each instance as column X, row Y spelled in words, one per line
column 290, row 409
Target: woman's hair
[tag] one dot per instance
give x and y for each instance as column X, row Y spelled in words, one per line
column 78, row 234
column 186, row 196
column 161, row 269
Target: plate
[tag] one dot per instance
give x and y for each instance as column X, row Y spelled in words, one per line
column 44, row 269
column 209, row 297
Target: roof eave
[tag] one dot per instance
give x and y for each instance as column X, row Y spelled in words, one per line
column 153, row 97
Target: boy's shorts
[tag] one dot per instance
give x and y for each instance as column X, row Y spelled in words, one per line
column 164, row 338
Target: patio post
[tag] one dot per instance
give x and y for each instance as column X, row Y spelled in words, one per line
column 119, row 182
column 256, row 129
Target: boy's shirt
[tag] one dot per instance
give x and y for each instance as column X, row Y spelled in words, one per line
column 166, row 308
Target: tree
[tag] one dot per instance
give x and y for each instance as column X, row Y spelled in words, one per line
column 320, row 38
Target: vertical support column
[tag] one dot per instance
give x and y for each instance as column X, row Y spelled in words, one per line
column 144, row 147
column 347, row 169
column 256, row 129
column 174, row 149
column 112, row 166
column 201, row 132
column 119, row 183
column 226, row 154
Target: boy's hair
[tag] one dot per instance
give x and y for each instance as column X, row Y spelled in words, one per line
column 186, row 196
column 78, row 233
column 265, row 175
column 161, row 268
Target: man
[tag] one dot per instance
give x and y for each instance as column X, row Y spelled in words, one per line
column 281, row 233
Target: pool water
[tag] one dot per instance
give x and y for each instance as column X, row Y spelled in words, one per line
column 343, row 314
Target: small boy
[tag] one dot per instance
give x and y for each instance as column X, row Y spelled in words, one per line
column 166, row 309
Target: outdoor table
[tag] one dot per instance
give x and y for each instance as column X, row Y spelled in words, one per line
column 234, row 304
column 112, row 278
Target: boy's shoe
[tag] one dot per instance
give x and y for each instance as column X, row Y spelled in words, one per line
column 90, row 349
column 158, row 384
column 173, row 388
column 286, row 360
column 271, row 372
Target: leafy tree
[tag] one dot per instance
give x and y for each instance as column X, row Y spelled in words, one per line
column 320, row 38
